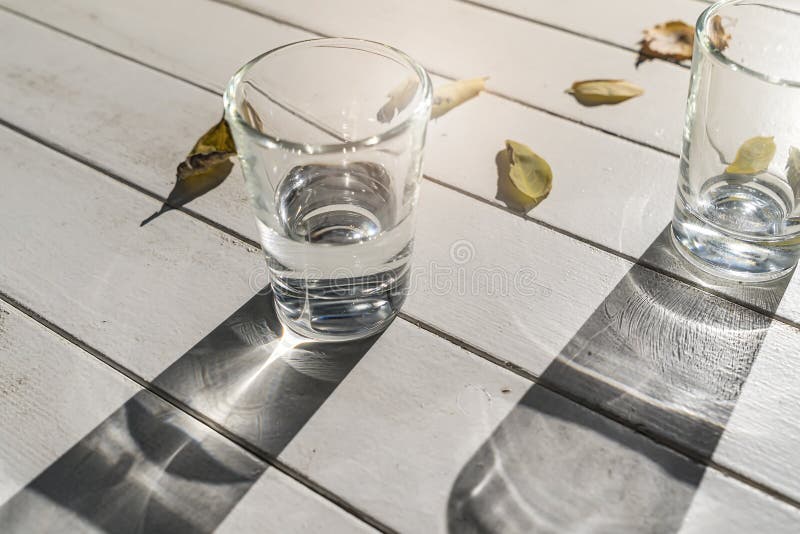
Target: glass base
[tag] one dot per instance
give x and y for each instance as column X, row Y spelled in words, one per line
column 301, row 328
column 725, row 261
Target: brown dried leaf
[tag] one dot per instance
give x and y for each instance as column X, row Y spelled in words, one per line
column 754, row 156
column 206, row 166
column 717, row 35
column 529, row 172
column 671, row 40
column 598, row 92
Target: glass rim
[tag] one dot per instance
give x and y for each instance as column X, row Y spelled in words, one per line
column 702, row 38
column 424, row 88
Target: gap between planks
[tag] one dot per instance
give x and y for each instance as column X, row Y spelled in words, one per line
column 198, row 416
column 431, row 329
column 441, row 75
column 556, row 27
column 216, row 225
column 289, row 471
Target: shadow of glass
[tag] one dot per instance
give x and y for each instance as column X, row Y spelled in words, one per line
column 255, row 380
column 149, row 467
column 664, row 358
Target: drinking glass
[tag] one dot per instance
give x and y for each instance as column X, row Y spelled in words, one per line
column 737, row 210
column 330, row 134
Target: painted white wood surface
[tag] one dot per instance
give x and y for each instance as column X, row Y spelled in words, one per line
column 541, row 325
column 615, row 21
column 528, row 62
column 51, row 394
column 277, row 504
column 607, row 190
column 748, row 515
column 402, row 348
column 460, row 40
column 142, row 295
column 425, row 394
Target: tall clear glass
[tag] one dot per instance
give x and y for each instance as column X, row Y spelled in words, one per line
column 737, row 211
column 330, row 134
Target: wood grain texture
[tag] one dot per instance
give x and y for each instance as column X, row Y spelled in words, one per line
column 141, row 295
column 278, row 504
column 571, row 281
column 614, row 21
column 453, row 39
column 713, row 501
column 566, row 274
column 51, row 394
column 607, row 190
column 462, row 40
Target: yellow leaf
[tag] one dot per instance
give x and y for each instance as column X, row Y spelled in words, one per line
column 456, row 93
column 206, row 166
column 597, row 92
column 671, row 40
column 217, row 139
column 717, row 35
column 528, row 171
column 753, row 156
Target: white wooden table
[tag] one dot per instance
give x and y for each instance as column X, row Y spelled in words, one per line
column 624, row 393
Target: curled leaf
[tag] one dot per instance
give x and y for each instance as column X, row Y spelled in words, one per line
column 753, row 156
column 205, row 167
column 217, row 139
column 717, row 35
column 251, row 117
column 455, row 93
column 529, row 172
column 598, row 92
column 793, row 177
column 445, row 97
column 398, row 99
column 671, row 40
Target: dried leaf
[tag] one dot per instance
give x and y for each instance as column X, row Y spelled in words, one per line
column 251, row 117
column 528, row 171
column 793, row 177
column 206, row 166
column 671, row 40
column 753, row 156
column 717, row 35
column 454, row 94
column 399, row 98
column 597, row 92
column 217, row 139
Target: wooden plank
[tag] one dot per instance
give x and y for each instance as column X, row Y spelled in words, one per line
column 56, row 400
column 574, row 280
column 608, row 191
column 276, row 503
column 750, row 514
column 450, row 38
column 613, row 21
column 422, row 391
column 51, row 394
column 462, row 40
column 523, row 476
column 81, row 260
